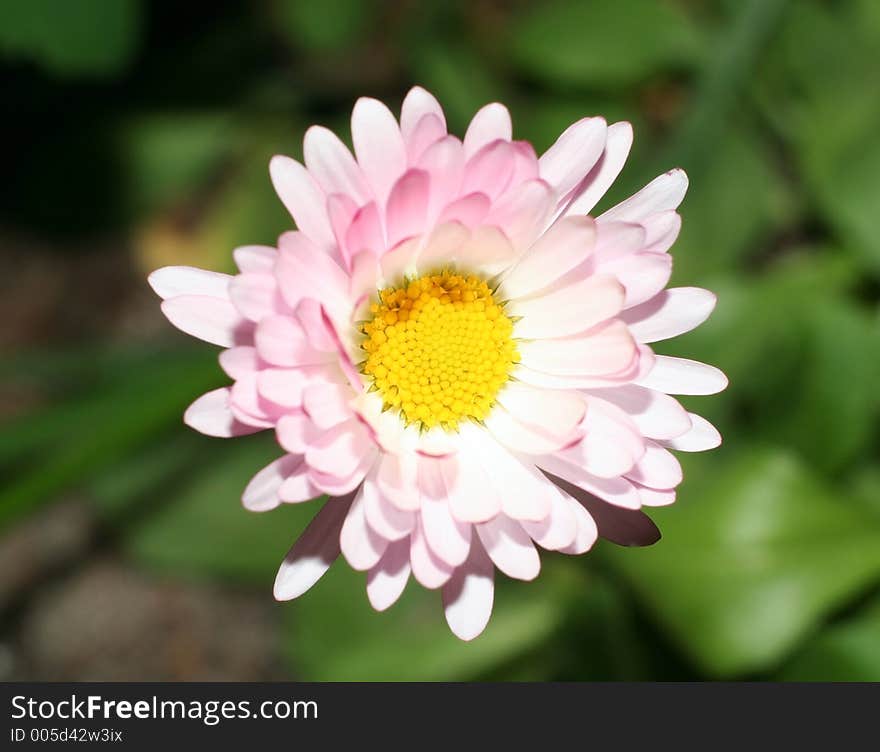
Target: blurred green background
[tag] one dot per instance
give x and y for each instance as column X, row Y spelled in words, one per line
column 137, row 134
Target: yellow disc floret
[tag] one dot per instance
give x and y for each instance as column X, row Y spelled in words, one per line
column 438, row 349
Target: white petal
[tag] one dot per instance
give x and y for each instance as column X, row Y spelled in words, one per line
column 386, row 580
column 661, row 194
column 604, row 350
column 567, row 310
column 587, row 532
column 535, row 421
column 702, row 436
column 556, row 531
column 361, row 546
column 510, row 547
column 314, row 551
column 469, row 594
column 658, row 468
column 430, row 571
column 213, row 320
column 384, row 517
column 682, row 376
column 657, row 415
column 672, row 312
column 172, row 281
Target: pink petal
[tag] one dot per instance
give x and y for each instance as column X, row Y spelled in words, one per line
column 559, row 250
column 255, row 258
column 469, row 210
column 427, row 131
column 280, row 340
column 338, row 450
column 261, row 494
column 491, row 123
column 408, row 206
column 254, row 295
column 468, row 596
column 303, row 198
column 416, row 105
column 304, row 272
column 568, row 161
column 297, row 487
column 471, row 497
column 295, row 432
column 210, row 415
column 213, row 320
column 331, row 164
column 327, row 404
column 523, row 211
column 174, row 281
column 510, row 547
column 490, row 170
column 618, row 142
column 361, row 547
column 642, row 274
column 444, row 163
column 682, row 376
column 558, row 529
column 313, row 553
column 387, row 580
column 365, row 232
column 238, row 361
column 378, row 145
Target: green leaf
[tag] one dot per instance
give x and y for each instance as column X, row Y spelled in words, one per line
column 754, row 554
column 734, row 204
column 832, row 409
column 68, row 444
column 74, row 37
column 824, row 111
column 846, row 652
column 335, row 635
column 202, row 530
column 572, row 43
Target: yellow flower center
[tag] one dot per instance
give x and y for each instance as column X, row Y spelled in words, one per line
column 438, row 349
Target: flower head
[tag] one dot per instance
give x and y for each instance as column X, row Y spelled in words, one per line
column 454, row 352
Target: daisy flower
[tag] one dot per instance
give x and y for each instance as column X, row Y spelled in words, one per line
column 454, row 353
